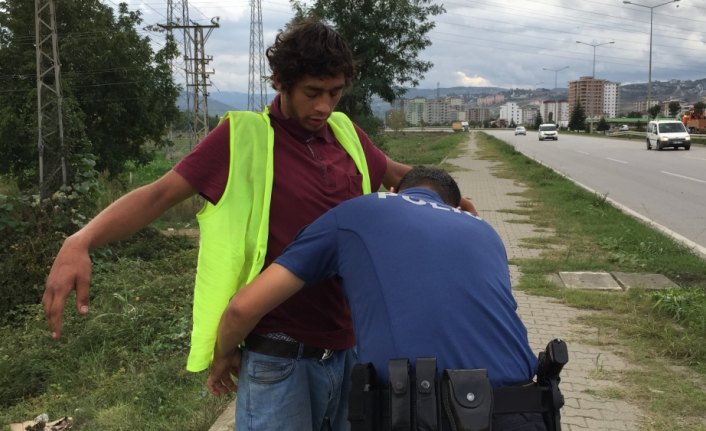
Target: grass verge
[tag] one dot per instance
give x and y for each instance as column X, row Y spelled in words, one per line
column 122, row 366
column 662, row 333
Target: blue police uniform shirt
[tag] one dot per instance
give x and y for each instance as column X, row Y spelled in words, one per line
column 423, row 279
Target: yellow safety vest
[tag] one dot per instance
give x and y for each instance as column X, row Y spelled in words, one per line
column 234, row 231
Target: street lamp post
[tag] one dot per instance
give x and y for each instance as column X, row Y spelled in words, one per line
column 594, row 45
column 556, row 72
column 649, row 78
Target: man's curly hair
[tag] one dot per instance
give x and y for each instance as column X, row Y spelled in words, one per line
column 309, row 47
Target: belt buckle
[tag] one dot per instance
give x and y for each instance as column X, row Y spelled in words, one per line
column 327, row 354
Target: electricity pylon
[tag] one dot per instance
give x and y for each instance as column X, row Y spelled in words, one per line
column 256, row 76
column 50, row 124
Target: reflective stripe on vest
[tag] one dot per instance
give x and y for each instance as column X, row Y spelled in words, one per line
column 234, row 231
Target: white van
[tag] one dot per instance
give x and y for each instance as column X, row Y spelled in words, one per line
column 667, row 133
column 548, row 131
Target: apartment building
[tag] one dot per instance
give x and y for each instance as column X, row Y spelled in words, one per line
column 415, row 111
column 555, row 111
column 490, row 100
column 529, row 114
column 598, row 97
column 611, row 99
column 478, row 114
column 511, row 112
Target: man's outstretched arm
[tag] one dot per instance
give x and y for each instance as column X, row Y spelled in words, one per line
column 72, row 266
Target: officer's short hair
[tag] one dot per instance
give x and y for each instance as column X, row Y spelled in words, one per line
column 434, row 178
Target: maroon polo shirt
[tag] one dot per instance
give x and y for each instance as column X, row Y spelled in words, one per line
column 312, row 173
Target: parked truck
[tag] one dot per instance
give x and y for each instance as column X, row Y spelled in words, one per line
column 695, row 123
column 459, row 126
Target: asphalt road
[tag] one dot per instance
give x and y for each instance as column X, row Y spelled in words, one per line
column 666, row 188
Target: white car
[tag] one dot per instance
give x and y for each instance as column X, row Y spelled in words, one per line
column 520, row 131
column 548, row 131
column 667, row 133
column 624, row 128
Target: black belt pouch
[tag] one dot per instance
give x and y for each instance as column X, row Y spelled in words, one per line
column 400, row 395
column 427, row 397
column 468, row 399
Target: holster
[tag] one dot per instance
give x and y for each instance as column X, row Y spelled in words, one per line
column 363, row 411
column 468, row 399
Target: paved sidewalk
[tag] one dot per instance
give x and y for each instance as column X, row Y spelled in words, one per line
column 589, row 368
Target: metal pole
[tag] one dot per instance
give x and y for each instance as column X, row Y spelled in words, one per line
column 594, row 45
column 556, row 72
column 649, row 73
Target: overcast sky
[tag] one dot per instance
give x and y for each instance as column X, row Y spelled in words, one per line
column 500, row 43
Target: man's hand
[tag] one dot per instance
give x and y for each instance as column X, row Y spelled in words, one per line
column 467, row 205
column 71, row 271
column 220, row 375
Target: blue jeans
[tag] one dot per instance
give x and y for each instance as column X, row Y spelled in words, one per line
column 293, row 394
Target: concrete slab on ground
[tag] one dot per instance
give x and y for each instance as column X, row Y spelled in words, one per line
column 226, row 421
column 589, row 281
column 645, row 281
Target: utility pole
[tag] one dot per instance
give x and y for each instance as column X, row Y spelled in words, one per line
column 50, row 125
column 177, row 14
column 256, row 75
column 556, row 104
column 177, row 17
column 201, row 81
column 195, row 60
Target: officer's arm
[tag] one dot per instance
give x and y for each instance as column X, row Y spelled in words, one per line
column 269, row 289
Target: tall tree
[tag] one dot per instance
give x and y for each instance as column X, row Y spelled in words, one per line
column 397, row 120
column 602, row 125
column 538, row 120
column 118, row 93
column 654, row 111
column 386, row 37
column 577, row 120
column 674, row 108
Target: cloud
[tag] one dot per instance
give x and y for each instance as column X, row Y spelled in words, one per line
column 501, row 43
column 471, row 81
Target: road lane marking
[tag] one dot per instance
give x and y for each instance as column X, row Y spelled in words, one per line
column 684, row 176
column 617, row 161
column 585, row 154
column 693, row 158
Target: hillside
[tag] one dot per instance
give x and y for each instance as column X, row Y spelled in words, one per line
column 686, row 91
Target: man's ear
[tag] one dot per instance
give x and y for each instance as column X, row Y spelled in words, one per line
column 276, row 82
